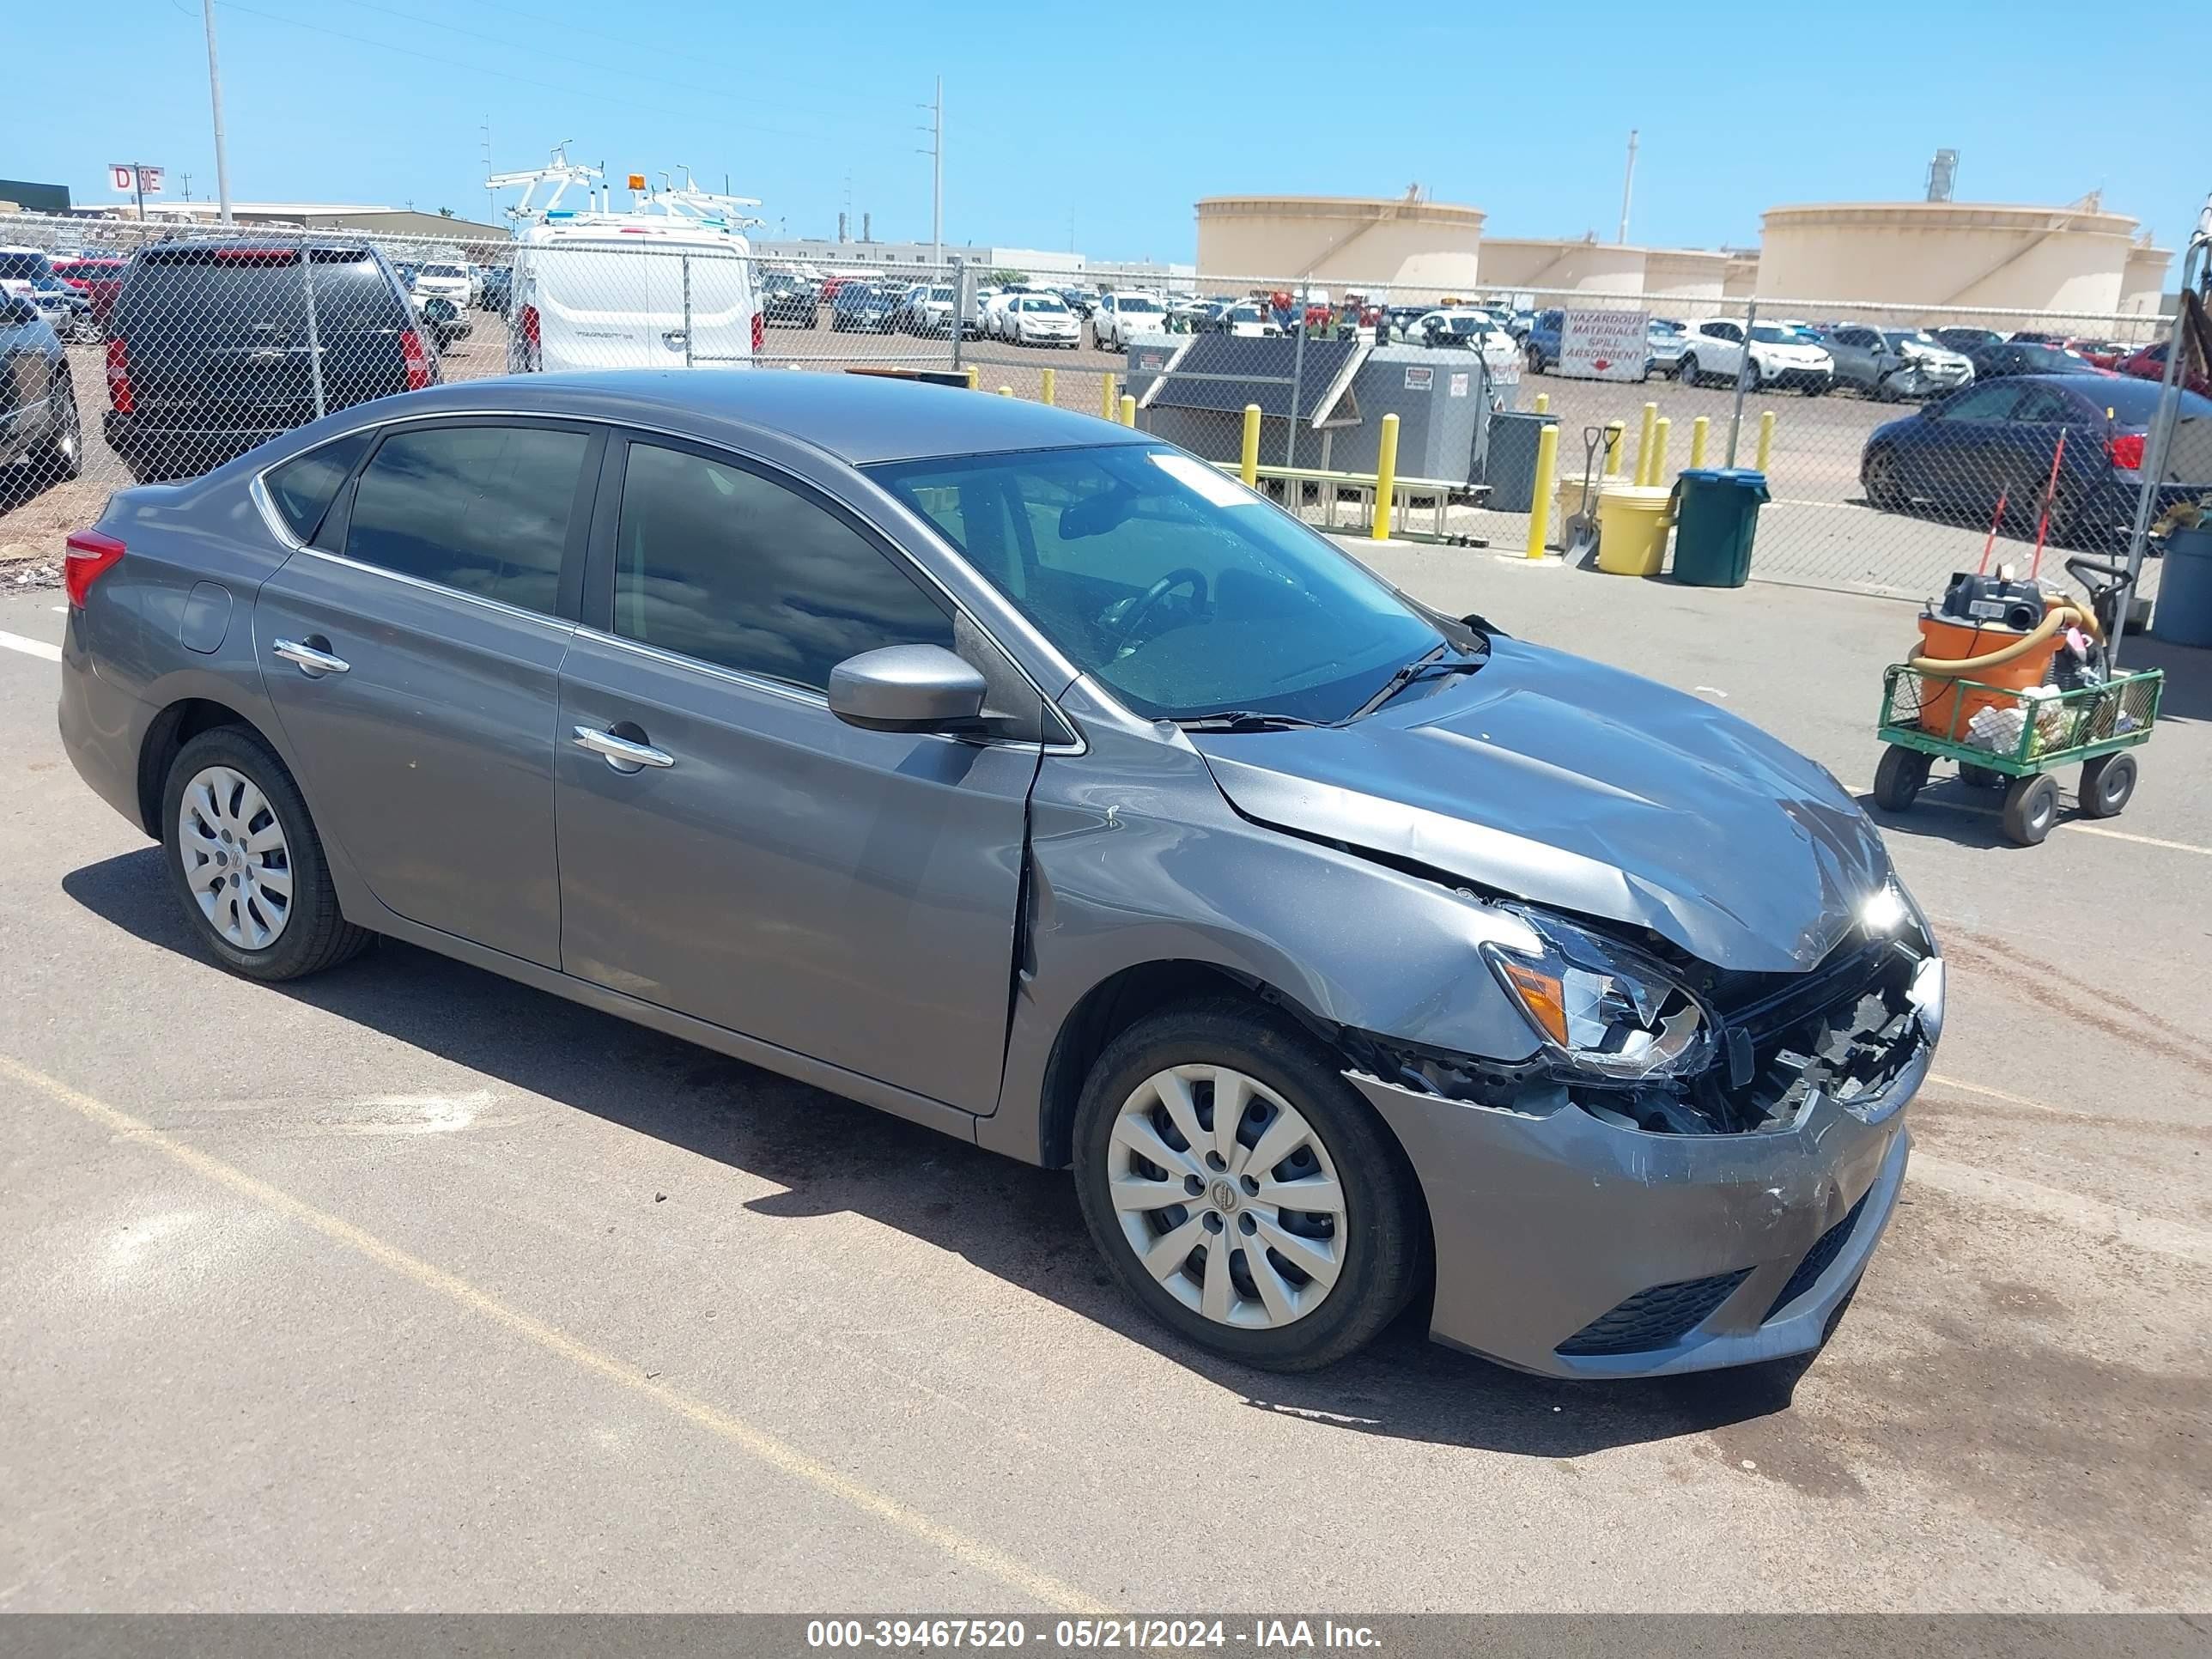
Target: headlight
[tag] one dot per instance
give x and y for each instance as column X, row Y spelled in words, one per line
column 1599, row 1006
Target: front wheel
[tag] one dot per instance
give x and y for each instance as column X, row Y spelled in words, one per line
column 245, row 862
column 2106, row 783
column 1884, row 492
column 1687, row 371
column 1241, row 1191
column 1899, row 778
column 2031, row 807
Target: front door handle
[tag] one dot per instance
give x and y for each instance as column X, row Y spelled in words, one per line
column 622, row 753
column 309, row 659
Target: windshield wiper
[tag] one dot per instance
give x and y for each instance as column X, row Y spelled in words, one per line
column 1429, row 662
column 1244, row 720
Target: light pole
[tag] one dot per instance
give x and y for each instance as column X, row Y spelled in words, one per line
column 214, row 101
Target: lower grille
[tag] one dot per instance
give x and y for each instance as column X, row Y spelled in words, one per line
column 1654, row 1318
column 1824, row 1250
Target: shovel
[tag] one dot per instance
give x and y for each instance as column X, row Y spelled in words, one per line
column 1579, row 533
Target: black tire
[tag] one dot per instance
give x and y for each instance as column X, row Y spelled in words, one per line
column 1817, row 388
column 1686, row 370
column 1384, row 1243
column 1878, row 477
column 1900, row 777
column 61, row 457
column 1885, row 390
column 314, row 935
column 2031, row 807
column 2106, row 783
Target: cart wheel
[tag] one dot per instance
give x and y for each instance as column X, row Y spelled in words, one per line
column 1899, row 778
column 2031, row 807
column 2106, row 783
column 1981, row 777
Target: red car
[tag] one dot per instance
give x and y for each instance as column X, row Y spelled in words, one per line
column 98, row 280
column 2149, row 364
column 2099, row 354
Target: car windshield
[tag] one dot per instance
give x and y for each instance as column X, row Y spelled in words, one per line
column 1136, row 302
column 1917, row 337
column 1050, row 307
column 1777, row 336
column 1184, row 591
column 1460, row 324
column 443, row 271
column 945, row 294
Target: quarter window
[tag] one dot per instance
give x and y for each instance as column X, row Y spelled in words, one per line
column 483, row 510
column 304, row 486
column 716, row 562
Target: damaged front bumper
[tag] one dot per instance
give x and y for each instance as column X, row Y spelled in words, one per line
column 1572, row 1242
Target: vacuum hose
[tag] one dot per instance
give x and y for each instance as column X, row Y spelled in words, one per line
column 2060, row 613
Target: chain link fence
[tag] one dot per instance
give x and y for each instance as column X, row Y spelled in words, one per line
column 1898, row 442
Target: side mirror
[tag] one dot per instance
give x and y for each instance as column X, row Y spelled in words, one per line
column 905, row 687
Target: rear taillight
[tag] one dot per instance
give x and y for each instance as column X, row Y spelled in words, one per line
column 530, row 326
column 118, row 376
column 2126, row 449
column 760, row 331
column 92, row 554
column 416, row 360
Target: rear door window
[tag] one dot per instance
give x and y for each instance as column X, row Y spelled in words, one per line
column 489, row 510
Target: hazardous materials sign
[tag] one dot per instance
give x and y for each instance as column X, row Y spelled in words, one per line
column 1603, row 345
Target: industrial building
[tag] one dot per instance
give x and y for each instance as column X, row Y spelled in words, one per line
column 317, row 216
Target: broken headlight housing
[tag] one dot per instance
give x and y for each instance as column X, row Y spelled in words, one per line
column 1604, row 1008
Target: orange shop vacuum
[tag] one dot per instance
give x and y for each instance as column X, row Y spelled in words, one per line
column 1994, row 632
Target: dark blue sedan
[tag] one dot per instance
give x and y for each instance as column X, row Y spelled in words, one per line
column 1997, row 439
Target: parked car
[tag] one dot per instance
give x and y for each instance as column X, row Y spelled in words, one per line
column 497, row 288
column 1774, row 356
column 1965, row 340
column 1889, row 363
column 446, row 282
column 39, row 428
column 22, row 270
column 1999, row 437
column 1468, row 331
column 2015, row 357
column 209, row 354
column 67, row 309
column 1664, row 341
column 2098, row 354
column 2149, row 363
column 1040, row 320
column 1242, row 319
column 1125, row 313
column 1400, row 320
column 931, row 313
column 1540, row 341
column 579, row 304
column 787, row 299
column 1081, row 300
column 98, row 277
column 1318, row 1023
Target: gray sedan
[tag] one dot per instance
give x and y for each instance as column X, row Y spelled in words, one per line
column 1887, row 364
column 1025, row 777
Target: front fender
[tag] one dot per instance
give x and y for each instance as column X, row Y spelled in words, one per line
column 1136, row 858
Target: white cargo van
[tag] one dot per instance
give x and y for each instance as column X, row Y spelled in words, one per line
column 645, row 290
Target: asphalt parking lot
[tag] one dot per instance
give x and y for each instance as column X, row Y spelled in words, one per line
column 406, row 1287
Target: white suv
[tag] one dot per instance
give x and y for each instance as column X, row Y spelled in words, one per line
column 443, row 282
column 1779, row 356
column 1124, row 314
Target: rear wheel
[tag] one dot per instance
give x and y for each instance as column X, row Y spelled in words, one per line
column 245, row 862
column 1687, row 371
column 1883, row 490
column 62, row 457
column 1241, row 1190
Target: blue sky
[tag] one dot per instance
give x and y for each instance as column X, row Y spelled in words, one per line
column 384, row 100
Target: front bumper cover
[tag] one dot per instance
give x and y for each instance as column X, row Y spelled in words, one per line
column 1545, row 1225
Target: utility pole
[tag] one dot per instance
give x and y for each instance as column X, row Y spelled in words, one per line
column 491, row 191
column 1627, row 187
column 187, row 178
column 936, row 154
column 215, row 103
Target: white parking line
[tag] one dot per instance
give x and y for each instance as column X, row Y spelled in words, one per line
column 31, row 647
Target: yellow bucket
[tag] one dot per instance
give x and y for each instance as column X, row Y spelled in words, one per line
column 1632, row 523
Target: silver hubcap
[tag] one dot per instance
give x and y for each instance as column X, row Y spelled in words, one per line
column 236, row 857
column 1227, row 1196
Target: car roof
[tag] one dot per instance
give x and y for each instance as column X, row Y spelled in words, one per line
column 858, row 419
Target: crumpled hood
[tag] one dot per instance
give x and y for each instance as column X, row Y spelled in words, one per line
column 1582, row 787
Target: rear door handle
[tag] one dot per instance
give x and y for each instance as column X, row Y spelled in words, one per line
column 310, row 660
column 621, row 753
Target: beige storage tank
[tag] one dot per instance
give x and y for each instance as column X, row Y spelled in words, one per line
column 1947, row 253
column 1739, row 281
column 1688, row 281
column 1584, row 265
column 1431, row 246
column 2142, row 280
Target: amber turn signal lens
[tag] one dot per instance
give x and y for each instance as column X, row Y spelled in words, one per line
column 1543, row 996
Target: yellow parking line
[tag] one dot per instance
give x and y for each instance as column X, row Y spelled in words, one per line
column 759, row 1443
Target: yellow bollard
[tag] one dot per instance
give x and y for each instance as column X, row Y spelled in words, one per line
column 1643, row 445
column 1247, row 464
column 1051, row 393
column 1129, row 410
column 1386, row 475
column 974, row 377
column 1006, row 391
column 1106, row 396
column 1698, row 430
column 1766, row 437
column 1659, row 430
column 1540, row 507
column 1543, row 402
column 1613, row 433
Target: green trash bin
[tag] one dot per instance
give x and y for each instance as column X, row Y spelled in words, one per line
column 1715, row 524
